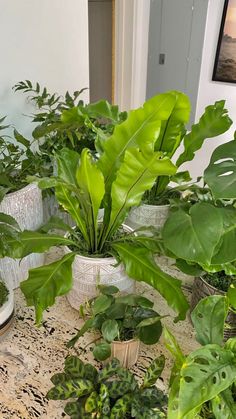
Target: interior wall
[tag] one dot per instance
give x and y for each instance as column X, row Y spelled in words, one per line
column 44, row 41
column 210, row 91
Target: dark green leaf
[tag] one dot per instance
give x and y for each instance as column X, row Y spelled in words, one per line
column 74, row 367
column 101, row 304
column 102, row 351
column 108, row 289
column 71, row 388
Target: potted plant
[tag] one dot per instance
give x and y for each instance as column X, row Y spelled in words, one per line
column 202, row 384
column 154, row 207
column 117, row 179
column 65, row 121
column 19, row 199
column 121, row 322
column 112, row 392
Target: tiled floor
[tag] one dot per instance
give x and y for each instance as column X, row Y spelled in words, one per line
column 30, row 355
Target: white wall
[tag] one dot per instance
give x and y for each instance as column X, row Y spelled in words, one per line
column 209, row 91
column 44, row 41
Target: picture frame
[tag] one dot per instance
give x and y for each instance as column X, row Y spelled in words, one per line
column 225, row 60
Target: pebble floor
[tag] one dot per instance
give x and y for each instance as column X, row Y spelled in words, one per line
column 30, row 355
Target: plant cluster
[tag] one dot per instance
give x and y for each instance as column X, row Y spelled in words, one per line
column 3, row 293
column 119, row 318
column 112, row 392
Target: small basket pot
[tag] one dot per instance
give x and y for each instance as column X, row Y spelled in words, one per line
column 6, row 314
column 202, row 289
column 126, row 352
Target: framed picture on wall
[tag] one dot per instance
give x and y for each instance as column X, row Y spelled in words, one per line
column 225, row 61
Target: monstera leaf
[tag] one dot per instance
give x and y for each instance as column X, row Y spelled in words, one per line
column 220, row 175
column 194, row 235
column 213, row 122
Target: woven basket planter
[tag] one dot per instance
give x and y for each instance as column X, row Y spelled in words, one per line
column 202, row 289
column 26, row 207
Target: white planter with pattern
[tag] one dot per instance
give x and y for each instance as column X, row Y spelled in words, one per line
column 26, row 207
column 148, row 215
column 88, row 272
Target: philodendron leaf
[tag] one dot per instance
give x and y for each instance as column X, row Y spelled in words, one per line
column 110, row 330
column 76, row 387
column 220, row 175
column 102, row 351
column 74, row 367
column 208, row 319
column 108, row 289
column 205, row 373
column 213, row 122
column 101, row 304
column 150, row 330
column 224, row 406
column 139, row 265
column 154, row 371
column 46, row 283
column 224, row 251
column 193, row 236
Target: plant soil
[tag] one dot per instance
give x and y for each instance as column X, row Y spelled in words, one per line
column 219, row 280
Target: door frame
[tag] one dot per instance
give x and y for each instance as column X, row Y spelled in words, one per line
column 130, row 52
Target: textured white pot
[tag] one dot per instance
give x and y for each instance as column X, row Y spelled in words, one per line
column 6, row 313
column 148, row 215
column 88, row 272
column 26, row 207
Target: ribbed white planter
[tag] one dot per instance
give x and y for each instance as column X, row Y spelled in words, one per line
column 88, row 272
column 6, row 313
column 148, row 215
column 26, row 207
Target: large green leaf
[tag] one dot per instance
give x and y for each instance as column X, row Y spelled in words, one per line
column 206, row 372
column 208, row 319
column 213, row 122
column 193, row 236
column 220, row 175
column 46, row 283
column 102, row 109
column 224, row 406
column 136, row 175
column 140, row 265
column 28, row 242
column 91, row 184
column 141, row 129
column 225, row 250
column 67, row 164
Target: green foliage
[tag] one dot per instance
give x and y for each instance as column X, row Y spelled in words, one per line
column 9, row 229
column 3, row 293
column 120, row 318
column 204, row 380
column 113, row 393
column 117, row 180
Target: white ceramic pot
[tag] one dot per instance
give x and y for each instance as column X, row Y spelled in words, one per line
column 6, row 313
column 26, row 207
column 88, row 272
column 148, row 215
column 126, row 352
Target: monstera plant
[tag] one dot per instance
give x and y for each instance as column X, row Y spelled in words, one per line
column 117, row 181
column 202, row 384
column 111, row 393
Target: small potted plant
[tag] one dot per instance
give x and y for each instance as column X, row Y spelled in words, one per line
column 202, row 383
column 121, row 322
column 117, row 180
column 154, row 207
column 6, row 307
column 112, row 392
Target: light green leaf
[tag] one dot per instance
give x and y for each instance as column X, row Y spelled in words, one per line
column 110, row 330
column 225, row 250
column 139, row 265
column 208, row 319
column 213, row 122
column 224, row 406
column 193, row 236
column 67, row 164
column 174, row 348
column 46, row 283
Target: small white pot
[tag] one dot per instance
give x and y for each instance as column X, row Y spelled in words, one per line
column 148, row 215
column 89, row 272
column 26, row 207
column 126, row 352
column 6, row 313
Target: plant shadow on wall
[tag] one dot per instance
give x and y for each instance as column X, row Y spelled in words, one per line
column 117, row 180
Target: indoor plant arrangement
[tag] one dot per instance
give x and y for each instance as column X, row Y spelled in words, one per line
column 112, row 392
column 214, row 121
column 117, row 180
column 18, row 199
column 202, row 384
column 121, row 322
